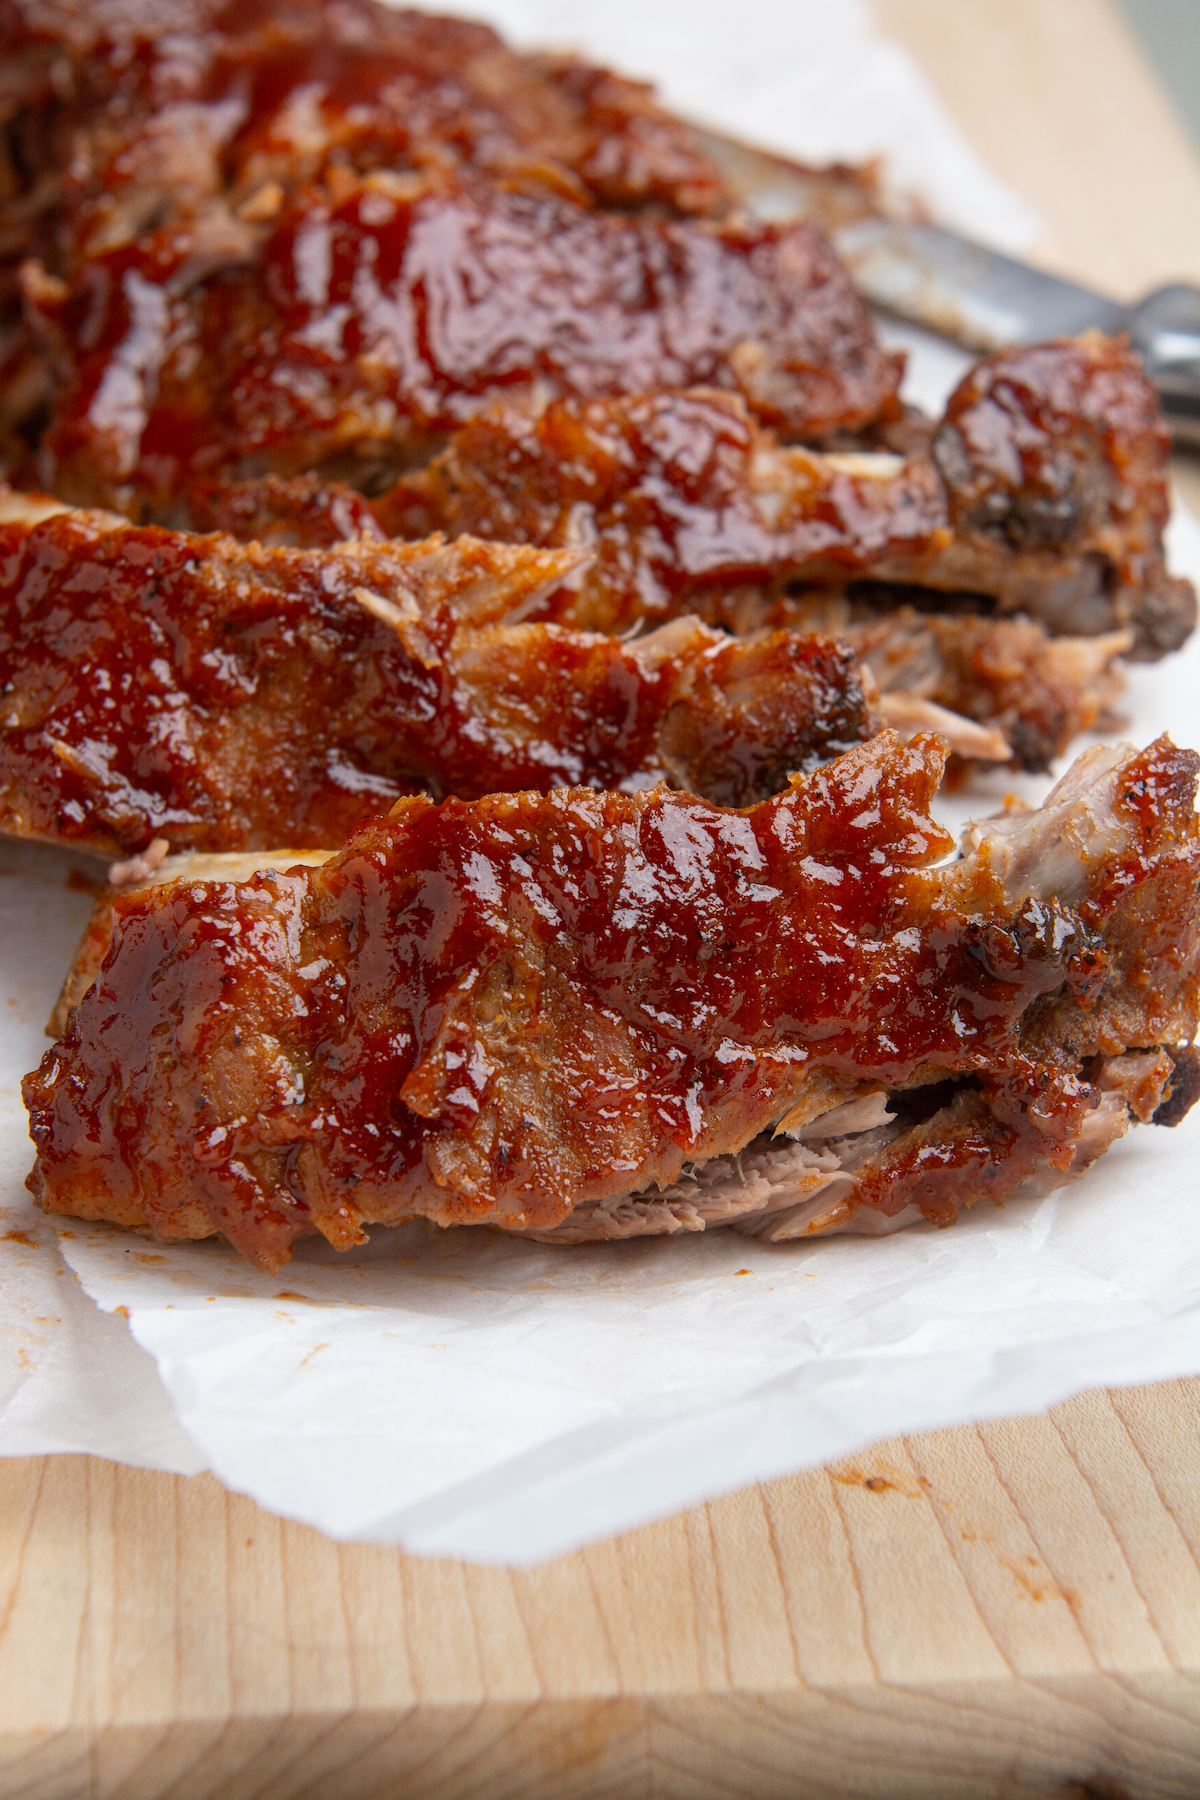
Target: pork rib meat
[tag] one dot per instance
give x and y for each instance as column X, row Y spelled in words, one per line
column 197, row 118
column 1043, row 491
column 374, row 315
column 589, row 1014
column 122, row 117
column 155, row 684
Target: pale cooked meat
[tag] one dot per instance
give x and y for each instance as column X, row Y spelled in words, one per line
column 909, row 714
column 598, row 1014
column 156, row 684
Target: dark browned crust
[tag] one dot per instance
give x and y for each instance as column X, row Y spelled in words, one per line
column 529, row 1012
column 1183, row 1085
column 1061, row 450
column 1039, row 691
column 159, row 684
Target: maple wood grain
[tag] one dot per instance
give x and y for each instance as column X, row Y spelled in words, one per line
column 1008, row 1612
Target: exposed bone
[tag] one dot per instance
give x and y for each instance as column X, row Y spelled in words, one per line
column 137, row 869
column 908, row 714
column 855, row 1115
column 1052, row 851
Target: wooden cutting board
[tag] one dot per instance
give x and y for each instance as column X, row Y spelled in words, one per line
column 1009, row 1612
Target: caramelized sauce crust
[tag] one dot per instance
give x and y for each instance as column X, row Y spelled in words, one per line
column 366, row 327
column 491, row 1012
column 1045, row 492
column 159, row 684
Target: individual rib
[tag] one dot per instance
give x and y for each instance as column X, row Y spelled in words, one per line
column 1004, row 676
column 1043, row 491
column 587, row 1014
column 195, row 121
column 374, row 315
column 162, row 685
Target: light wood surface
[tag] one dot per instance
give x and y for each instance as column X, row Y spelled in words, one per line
column 1059, row 100
column 1010, row 1612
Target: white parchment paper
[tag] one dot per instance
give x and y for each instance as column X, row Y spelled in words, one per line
column 466, row 1395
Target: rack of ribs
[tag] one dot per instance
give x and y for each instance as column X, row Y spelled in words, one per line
column 588, row 1015
column 159, row 685
column 200, row 119
column 1025, row 537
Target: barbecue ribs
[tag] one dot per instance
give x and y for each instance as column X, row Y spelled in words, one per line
column 121, row 120
column 197, row 120
column 157, row 684
column 124, row 117
column 589, row 1015
column 374, row 315
column 1043, row 491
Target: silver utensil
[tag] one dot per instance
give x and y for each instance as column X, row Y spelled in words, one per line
column 965, row 291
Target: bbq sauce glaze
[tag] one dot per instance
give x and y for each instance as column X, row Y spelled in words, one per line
column 159, row 684
column 375, row 318
column 487, row 1012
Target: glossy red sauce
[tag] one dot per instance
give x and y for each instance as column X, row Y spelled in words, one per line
column 489, row 1012
column 670, row 494
column 1042, row 445
column 212, row 98
column 159, row 684
column 372, row 326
